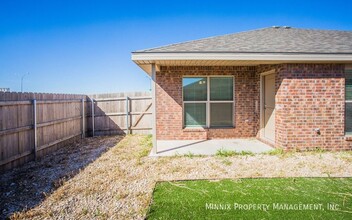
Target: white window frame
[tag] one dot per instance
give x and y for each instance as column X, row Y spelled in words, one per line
column 208, row 102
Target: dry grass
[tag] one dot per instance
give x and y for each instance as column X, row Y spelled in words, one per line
column 119, row 184
column 27, row 186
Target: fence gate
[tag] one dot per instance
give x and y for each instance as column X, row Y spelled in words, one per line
column 120, row 113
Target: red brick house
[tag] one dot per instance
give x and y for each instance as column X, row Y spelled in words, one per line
column 288, row 87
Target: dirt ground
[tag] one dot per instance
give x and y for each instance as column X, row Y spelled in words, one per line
column 119, row 183
column 25, row 187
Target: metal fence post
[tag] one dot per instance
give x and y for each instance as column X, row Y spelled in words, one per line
column 83, row 120
column 35, row 128
column 93, row 116
column 127, row 115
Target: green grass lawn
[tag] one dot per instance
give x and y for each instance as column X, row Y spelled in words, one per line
column 275, row 198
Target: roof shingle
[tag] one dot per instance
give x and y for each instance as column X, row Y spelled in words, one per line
column 268, row 40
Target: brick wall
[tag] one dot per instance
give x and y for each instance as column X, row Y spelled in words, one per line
column 310, row 96
column 169, row 103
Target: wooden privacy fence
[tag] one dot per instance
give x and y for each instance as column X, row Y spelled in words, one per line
column 120, row 113
column 32, row 128
column 33, row 125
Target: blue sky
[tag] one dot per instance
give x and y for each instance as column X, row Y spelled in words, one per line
column 85, row 46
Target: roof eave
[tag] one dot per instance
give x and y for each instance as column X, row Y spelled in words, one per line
column 144, row 59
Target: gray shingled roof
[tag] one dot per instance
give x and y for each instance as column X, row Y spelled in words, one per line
column 268, row 40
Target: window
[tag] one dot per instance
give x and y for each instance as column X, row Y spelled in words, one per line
column 208, row 101
column 348, row 101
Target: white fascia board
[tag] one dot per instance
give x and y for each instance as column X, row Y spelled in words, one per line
column 240, row 56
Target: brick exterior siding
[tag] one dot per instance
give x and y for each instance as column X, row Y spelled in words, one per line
column 308, row 96
column 169, row 103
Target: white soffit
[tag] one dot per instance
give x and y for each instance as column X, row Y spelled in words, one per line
column 237, row 59
column 241, row 56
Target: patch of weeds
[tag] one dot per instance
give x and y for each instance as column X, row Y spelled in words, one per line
column 319, row 150
column 226, row 162
column 146, row 145
column 316, row 150
column 189, row 154
column 225, row 153
column 246, row 153
column 192, row 155
column 147, row 140
column 229, row 153
column 281, row 152
column 277, row 151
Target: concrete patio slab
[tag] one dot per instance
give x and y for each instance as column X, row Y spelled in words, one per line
column 209, row 147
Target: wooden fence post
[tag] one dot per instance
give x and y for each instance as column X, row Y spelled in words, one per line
column 35, row 128
column 83, row 120
column 93, row 116
column 127, row 115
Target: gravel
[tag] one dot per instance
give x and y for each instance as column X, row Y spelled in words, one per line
column 119, row 183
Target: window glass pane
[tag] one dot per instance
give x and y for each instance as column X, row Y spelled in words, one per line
column 194, row 89
column 221, row 88
column 348, row 82
column 194, row 114
column 348, row 119
column 221, row 114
